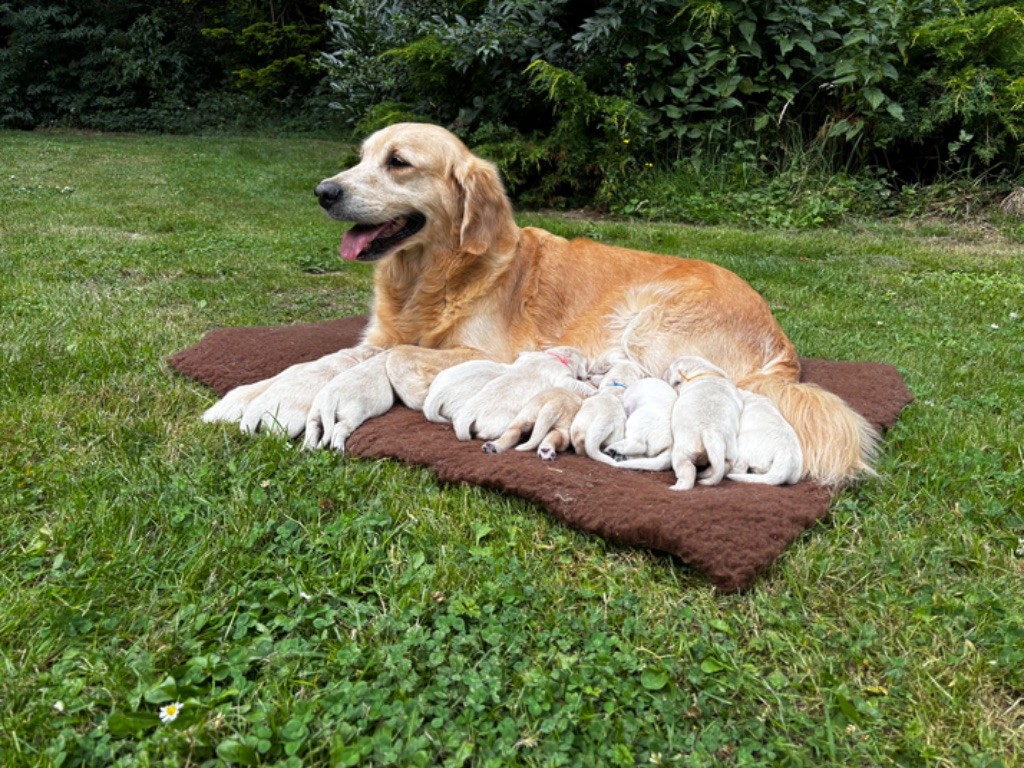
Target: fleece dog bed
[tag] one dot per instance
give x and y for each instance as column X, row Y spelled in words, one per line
column 730, row 532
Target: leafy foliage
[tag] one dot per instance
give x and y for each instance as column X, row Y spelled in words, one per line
column 970, row 78
column 269, row 51
column 161, row 65
column 852, row 84
column 574, row 100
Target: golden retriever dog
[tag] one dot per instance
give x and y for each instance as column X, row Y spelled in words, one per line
column 454, row 271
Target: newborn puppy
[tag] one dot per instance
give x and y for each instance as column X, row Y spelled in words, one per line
column 453, row 387
column 353, row 396
column 602, row 418
column 412, row 369
column 648, row 440
column 767, row 449
column 547, row 416
column 705, row 421
column 488, row 413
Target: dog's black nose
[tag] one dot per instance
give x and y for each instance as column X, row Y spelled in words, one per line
column 328, row 193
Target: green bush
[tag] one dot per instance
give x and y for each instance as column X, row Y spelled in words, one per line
column 160, row 65
column 574, row 102
column 968, row 77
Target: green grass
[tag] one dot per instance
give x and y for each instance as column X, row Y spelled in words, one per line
column 309, row 609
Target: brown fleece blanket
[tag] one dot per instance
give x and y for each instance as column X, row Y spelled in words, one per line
column 730, row 532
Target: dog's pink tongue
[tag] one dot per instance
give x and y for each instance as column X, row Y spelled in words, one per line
column 356, row 239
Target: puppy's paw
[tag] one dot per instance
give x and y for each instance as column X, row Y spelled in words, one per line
column 547, row 453
column 615, row 455
column 490, row 447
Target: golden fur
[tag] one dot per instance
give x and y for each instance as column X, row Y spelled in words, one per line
column 471, row 278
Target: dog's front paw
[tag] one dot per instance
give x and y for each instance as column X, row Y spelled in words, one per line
column 231, row 408
column 339, row 435
column 326, row 427
column 275, row 406
column 281, row 410
column 490, row 447
column 281, row 405
column 547, row 453
column 352, row 397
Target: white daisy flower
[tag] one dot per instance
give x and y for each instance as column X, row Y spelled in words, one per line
column 170, row 713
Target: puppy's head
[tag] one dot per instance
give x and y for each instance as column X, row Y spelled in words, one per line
column 613, row 368
column 690, row 367
column 417, row 184
column 572, row 358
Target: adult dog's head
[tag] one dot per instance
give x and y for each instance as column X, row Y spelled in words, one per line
column 417, row 187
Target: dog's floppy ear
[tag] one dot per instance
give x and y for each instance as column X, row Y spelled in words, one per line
column 486, row 213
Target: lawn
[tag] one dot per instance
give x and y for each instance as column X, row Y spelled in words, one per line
column 308, row 609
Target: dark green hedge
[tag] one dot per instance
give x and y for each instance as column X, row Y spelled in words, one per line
column 164, row 65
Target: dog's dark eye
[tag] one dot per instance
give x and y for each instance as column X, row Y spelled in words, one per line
column 396, row 162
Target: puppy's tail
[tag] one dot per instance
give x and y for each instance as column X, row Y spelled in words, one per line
column 656, row 463
column 716, row 447
column 592, row 446
column 432, row 408
column 838, row 443
column 779, row 473
column 463, row 427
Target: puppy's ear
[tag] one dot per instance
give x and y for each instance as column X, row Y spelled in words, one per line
column 486, row 213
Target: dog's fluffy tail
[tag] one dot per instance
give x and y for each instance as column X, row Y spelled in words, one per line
column 838, row 443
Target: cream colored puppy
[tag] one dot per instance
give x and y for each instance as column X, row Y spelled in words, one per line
column 647, row 444
column 412, row 369
column 453, row 387
column 602, row 418
column 362, row 392
column 488, row 413
column 767, row 448
column 705, row 421
column 547, row 416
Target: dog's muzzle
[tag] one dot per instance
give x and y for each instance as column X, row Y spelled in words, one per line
column 328, row 193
